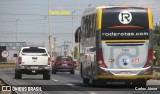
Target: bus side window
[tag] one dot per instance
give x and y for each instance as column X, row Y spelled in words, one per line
column 83, row 27
column 94, row 25
column 88, row 26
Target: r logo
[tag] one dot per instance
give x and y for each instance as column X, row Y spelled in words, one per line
column 125, row 17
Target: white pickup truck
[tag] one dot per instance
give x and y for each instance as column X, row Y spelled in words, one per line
column 32, row 61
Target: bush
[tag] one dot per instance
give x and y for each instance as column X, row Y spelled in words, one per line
column 158, row 52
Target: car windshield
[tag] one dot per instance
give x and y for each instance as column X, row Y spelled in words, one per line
column 61, row 58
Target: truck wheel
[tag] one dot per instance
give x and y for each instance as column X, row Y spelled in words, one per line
column 46, row 76
column 18, row 75
column 72, row 72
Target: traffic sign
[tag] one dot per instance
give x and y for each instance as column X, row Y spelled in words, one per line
column 5, row 53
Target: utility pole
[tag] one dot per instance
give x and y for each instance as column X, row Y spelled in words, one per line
column 65, row 48
column 54, row 49
column 78, row 51
column 50, row 34
column 44, row 32
column 73, row 35
column 54, row 44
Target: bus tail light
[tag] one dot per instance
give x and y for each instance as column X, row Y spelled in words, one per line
column 149, row 60
column 104, row 8
column 145, row 9
column 100, row 59
column 19, row 60
column 150, row 53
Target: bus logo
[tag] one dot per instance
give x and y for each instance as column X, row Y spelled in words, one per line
column 125, row 17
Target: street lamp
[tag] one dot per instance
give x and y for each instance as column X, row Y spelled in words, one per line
column 72, row 33
column 89, row 5
column 50, row 34
column 78, row 13
column 17, row 34
column 78, row 51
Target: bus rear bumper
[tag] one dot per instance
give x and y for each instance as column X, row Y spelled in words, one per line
column 136, row 72
column 123, row 77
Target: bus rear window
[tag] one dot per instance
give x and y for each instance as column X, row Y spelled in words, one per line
column 124, row 24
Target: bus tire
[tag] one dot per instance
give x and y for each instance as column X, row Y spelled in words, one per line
column 81, row 73
column 127, row 83
column 97, row 82
column 86, row 80
column 93, row 82
column 141, row 82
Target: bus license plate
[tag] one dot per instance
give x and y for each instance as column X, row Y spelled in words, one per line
column 125, row 72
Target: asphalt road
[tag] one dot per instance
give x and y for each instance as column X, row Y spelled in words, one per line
column 64, row 83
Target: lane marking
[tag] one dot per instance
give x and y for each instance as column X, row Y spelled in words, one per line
column 70, row 84
column 54, row 80
column 92, row 92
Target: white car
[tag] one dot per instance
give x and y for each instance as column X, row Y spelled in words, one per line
column 32, row 61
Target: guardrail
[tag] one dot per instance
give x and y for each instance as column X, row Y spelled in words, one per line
column 7, row 65
column 156, row 68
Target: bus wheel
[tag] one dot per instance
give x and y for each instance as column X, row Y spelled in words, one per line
column 97, row 82
column 93, row 81
column 127, row 83
column 86, row 81
column 141, row 82
column 81, row 72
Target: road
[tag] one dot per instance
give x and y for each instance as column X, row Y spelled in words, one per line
column 64, row 83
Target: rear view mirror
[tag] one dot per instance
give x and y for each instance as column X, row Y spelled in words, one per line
column 78, row 35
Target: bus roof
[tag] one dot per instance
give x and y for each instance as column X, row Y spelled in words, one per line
column 93, row 10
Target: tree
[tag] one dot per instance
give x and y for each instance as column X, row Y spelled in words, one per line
column 157, row 35
column 74, row 51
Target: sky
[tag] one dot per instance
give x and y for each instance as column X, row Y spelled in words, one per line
column 30, row 17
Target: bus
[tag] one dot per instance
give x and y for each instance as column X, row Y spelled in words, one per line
column 116, row 44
